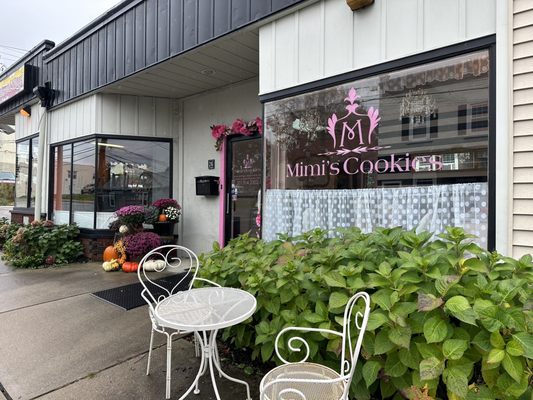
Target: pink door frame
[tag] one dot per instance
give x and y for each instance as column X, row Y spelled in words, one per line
column 222, row 196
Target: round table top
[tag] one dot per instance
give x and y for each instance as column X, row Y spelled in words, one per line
column 205, row 309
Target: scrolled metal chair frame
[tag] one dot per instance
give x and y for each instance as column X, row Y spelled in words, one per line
column 189, row 262
column 348, row 359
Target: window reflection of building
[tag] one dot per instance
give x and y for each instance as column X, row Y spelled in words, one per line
column 109, row 174
column 434, row 130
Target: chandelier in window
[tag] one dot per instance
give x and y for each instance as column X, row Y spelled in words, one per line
column 418, row 106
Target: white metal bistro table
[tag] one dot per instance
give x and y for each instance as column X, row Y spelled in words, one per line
column 204, row 311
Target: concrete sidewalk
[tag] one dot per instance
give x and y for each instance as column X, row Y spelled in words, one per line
column 59, row 342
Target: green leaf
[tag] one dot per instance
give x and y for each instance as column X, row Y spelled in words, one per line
column 383, row 298
column 393, row 366
column 526, row 340
column 334, row 279
column 514, row 348
column 490, row 318
column 382, row 344
column 445, row 282
column 513, row 366
column 482, row 340
column 428, row 302
column 429, row 350
column 321, row 309
column 370, row 372
column 496, row 340
column 475, row 264
column 510, row 387
column 481, row 392
column 312, row 317
column 456, row 382
column 457, row 304
column 435, row 329
column 338, row 300
column 376, row 319
column 495, row 356
column 431, row 368
column 266, row 351
column 514, row 318
column 454, row 349
column 400, row 335
column 410, row 357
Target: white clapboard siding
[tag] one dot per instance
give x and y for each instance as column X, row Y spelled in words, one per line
column 73, row 120
column 522, row 239
column 326, row 38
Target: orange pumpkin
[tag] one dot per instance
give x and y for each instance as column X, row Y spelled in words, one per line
column 162, row 218
column 110, row 253
column 130, row 266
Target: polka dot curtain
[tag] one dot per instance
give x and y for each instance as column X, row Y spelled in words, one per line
column 427, row 208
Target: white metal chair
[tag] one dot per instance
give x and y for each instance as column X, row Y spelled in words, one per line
column 309, row 381
column 166, row 262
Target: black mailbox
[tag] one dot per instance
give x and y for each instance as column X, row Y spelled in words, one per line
column 207, row 185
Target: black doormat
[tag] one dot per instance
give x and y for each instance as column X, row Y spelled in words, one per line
column 129, row 296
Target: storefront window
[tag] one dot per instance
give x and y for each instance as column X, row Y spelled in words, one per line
column 62, row 181
column 34, row 161
column 22, row 174
column 406, row 148
column 104, row 174
column 82, row 178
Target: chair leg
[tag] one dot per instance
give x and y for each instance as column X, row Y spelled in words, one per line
column 150, row 351
column 169, row 359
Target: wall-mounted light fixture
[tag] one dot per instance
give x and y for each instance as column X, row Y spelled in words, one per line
column 358, row 4
column 25, row 111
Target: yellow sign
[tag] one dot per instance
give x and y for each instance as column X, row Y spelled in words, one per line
column 12, row 85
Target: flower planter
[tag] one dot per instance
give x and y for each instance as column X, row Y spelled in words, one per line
column 164, row 228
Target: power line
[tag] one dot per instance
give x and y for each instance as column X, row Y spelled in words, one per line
column 14, row 48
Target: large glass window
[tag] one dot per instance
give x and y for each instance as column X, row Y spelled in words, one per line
column 22, row 174
column 406, row 148
column 82, row 178
column 102, row 175
column 34, row 162
column 62, row 182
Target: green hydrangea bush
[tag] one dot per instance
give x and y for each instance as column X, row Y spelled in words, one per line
column 448, row 319
column 42, row 244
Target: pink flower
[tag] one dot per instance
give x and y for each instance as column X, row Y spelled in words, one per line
column 218, row 131
column 259, row 124
column 239, row 126
column 258, row 220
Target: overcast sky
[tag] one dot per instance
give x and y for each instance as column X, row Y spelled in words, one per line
column 25, row 24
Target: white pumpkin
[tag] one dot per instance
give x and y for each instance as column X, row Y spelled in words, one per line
column 154, row 265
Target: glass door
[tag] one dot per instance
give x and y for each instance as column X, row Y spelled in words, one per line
column 243, row 188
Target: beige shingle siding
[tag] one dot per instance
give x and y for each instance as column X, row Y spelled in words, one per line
column 522, row 127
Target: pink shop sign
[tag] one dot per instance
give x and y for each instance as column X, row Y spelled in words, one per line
column 352, row 136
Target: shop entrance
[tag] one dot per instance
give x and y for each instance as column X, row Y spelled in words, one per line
column 243, row 185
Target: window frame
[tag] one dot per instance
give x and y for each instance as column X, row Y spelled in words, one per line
column 96, row 137
column 28, row 139
column 484, row 43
